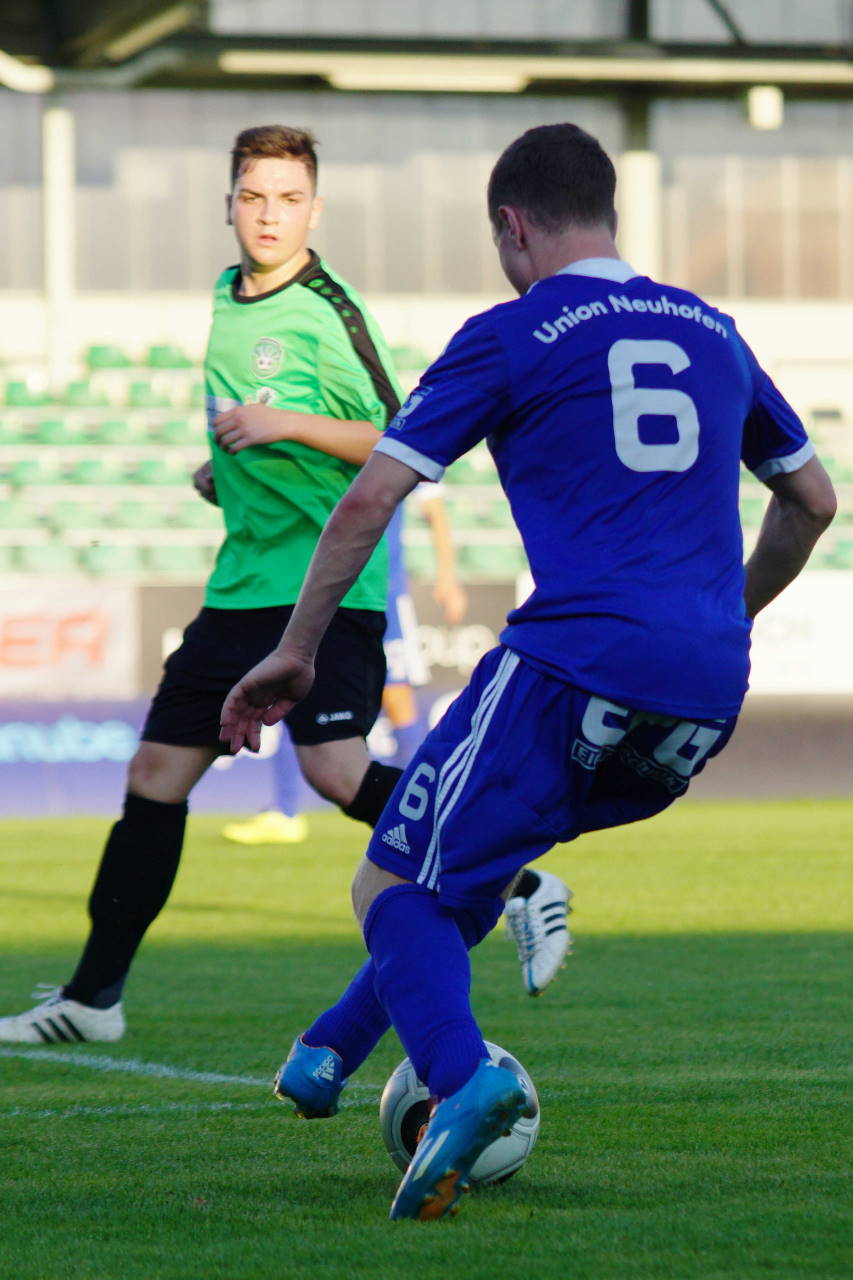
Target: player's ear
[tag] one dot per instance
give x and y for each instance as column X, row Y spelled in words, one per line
column 511, row 225
column 316, row 211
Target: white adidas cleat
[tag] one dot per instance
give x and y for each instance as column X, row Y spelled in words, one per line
column 539, row 928
column 60, row 1021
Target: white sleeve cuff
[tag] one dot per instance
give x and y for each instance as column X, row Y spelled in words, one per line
column 424, row 466
column 784, row 466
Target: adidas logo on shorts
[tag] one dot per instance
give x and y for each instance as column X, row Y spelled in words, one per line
column 396, row 838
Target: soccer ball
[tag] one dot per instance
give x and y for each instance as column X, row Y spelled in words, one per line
column 404, row 1107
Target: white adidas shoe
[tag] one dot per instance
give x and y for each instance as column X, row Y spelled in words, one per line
column 59, row 1021
column 540, row 931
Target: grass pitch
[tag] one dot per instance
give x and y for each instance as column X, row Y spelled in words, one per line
column 690, row 1063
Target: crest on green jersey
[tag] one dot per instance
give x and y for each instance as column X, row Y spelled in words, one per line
column 267, row 357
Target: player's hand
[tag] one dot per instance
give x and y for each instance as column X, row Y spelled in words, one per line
column 264, row 696
column 203, row 482
column 451, row 598
column 250, row 424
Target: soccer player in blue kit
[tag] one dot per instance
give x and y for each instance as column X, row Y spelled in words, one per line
column 618, row 411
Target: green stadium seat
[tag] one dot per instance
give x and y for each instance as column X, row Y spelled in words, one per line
column 105, row 470
column 15, row 514
column 842, row 554
column 106, row 559
column 107, row 356
column 11, row 433
column 110, row 431
column 158, row 471
column 68, row 514
column 492, row 560
column 142, row 395
column 82, row 395
column 197, row 514
column 166, row 356
column 58, row 431
column 46, row 557
column 22, row 395
column 35, row 469
column 179, row 431
column 185, row 560
column 135, row 514
column 752, row 508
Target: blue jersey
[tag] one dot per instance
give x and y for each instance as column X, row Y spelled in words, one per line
column 617, row 410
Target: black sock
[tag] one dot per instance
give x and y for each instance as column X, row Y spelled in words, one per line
column 374, row 793
column 528, row 882
column 136, row 874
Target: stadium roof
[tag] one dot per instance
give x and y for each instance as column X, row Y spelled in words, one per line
column 169, row 44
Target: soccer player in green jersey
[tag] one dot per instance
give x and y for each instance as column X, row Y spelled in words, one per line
column 299, row 384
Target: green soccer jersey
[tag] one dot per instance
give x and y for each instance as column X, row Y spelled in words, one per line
column 310, row 346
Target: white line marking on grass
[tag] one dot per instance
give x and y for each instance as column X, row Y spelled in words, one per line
column 160, row 1070
column 128, row 1109
column 132, row 1067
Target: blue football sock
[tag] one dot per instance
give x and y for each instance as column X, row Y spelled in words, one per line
column 353, row 1026
column 423, row 978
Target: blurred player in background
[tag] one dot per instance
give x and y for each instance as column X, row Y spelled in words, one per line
column 618, row 411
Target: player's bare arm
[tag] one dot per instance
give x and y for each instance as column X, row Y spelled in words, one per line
column 203, row 483
column 448, row 592
column 251, row 424
column 276, row 684
column 802, row 506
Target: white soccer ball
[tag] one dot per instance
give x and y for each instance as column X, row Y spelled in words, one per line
column 404, row 1107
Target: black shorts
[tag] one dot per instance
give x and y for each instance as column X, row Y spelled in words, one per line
column 221, row 645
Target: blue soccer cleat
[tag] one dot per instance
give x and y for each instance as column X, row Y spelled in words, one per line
column 460, row 1129
column 313, row 1079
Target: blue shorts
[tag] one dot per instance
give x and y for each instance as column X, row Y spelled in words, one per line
column 520, row 762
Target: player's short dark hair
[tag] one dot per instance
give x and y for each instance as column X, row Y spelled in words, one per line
column 277, row 142
column 559, row 175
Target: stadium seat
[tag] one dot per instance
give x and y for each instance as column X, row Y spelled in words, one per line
column 110, row 431
column 752, row 508
column 46, row 557
column 15, row 514
column 11, row 433
column 166, row 356
column 197, row 514
column 35, row 469
column 83, row 395
column 58, row 431
column 8, row 558
column 22, row 395
column 68, row 514
column 142, row 395
column 103, row 470
column 106, row 356
column 419, row 559
column 191, row 561
column 133, row 513
column 159, row 471
column 492, row 560
column 107, row 559
column 179, row 431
